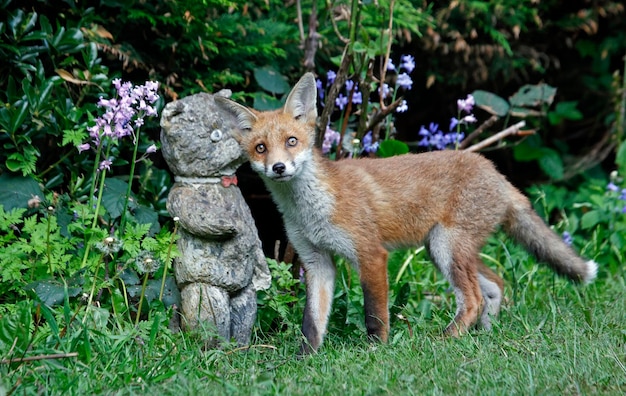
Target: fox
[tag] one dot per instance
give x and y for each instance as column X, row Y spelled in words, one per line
column 450, row 201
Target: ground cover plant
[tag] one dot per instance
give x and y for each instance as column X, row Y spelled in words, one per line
column 86, row 245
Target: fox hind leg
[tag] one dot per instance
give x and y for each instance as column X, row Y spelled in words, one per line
column 491, row 286
column 459, row 264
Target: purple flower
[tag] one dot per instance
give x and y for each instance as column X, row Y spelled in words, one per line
column 368, row 146
column 330, row 76
column 404, row 81
column 330, row 138
column 622, row 194
column 453, row 123
column 151, row 149
column 131, row 103
column 469, row 119
column 567, row 238
column 466, row 104
column 349, row 85
column 390, row 65
column 83, row 147
column 408, row 63
column 386, row 90
column 320, row 88
column 341, row 101
column 402, row 107
column 106, row 164
column 612, row 187
column 357, row 98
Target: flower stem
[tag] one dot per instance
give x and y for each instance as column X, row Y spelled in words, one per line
column 143, row 292
column 131, row 176
column 167, row 260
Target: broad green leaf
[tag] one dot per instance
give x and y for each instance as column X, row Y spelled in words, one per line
column 528, row 150
column 146, row 215
column 533, row 96
column 16, row 191
column 590, row 219
column 491, row 103
column 390, row 148
column 271, row 80
column 113, row 196
column 265, row 102
column 51, row 292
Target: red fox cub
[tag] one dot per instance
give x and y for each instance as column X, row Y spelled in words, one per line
column 359, row 208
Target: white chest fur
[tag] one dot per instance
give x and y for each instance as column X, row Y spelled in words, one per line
column 307, row 207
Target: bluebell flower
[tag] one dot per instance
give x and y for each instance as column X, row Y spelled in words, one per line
column 622, row 194
column 330, row 75
column 320, row 88
column 368, row 146
column 390, row 65
column 341, row 101
column 612, row 187
column 466, row 104
column 357, row 98
column 408, row 63
column 404, row 81
column 567, row 238
column 453, row 123
column 402, row 107
column 331, row 138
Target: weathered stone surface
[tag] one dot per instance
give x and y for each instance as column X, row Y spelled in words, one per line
column 221, row 264
column 206, row 305
column 190, row 141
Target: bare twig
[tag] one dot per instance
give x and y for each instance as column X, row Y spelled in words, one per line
column 378, row 117
column 334, row 23
column 312, row 40
column 300, row 21
column 383, row 68
column 39, row 357
column 340, row 79
column 510, row 131
column 487, row 124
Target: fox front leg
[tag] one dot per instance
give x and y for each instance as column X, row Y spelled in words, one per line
column 320, row 287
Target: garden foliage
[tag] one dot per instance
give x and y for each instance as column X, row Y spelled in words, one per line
column 86, row 243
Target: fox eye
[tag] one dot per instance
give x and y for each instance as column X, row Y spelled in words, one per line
column 260, row 148
column 292, row 141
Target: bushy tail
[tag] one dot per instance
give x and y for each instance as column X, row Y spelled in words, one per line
column 529, row 229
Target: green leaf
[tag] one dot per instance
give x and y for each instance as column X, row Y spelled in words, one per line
column 113, row 196
column 265, row 102
column 51, row 292
column 16, row 191
column 528, row 150
column 551, row 163
column 590, row 219
column 564, row 111
column 533, row 96
column 491, row 103
column 271, row 80
column 146, row 215
column 76, row 137
column 390, row 148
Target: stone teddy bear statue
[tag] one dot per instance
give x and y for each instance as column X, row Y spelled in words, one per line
column 221, row 264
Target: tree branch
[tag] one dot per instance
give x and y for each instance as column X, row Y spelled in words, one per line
column 510, row 131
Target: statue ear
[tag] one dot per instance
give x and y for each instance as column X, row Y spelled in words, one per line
column 245, row 118
column 301, row 103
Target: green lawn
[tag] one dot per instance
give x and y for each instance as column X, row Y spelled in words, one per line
column 554, row 338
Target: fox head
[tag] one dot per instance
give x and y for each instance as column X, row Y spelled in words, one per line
column 278, row 143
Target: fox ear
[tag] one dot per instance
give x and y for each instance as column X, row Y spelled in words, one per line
column 245, row 118
column 301, row 103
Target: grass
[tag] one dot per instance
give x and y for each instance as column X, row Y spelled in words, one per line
column 552, row 338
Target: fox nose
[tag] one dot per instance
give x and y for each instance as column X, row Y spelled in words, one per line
column 279, row 168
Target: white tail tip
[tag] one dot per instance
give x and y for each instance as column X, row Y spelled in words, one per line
column 592, row 271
